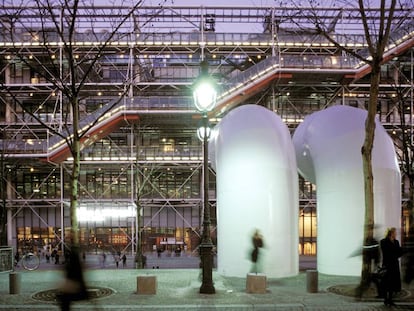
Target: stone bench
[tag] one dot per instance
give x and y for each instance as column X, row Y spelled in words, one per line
column 146, row 284
column 256, row 283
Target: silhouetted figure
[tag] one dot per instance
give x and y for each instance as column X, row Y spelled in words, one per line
column 124, row 258
column 144, row 261
column 103, row 260
column 117, row 259
column 257, row 244
column 73, row 287
column 391, row 252
column 55, row 255
column 16, row 259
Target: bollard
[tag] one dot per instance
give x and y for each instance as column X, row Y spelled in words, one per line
column 312, row 281
column 146, row 284
column 14, row 283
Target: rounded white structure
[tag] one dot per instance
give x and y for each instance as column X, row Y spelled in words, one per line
column 328, row 152
column 257, row 188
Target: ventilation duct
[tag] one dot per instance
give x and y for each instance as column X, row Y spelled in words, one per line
column 257, row 188
column 328, row 152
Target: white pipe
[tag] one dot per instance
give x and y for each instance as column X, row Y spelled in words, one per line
column 328, row 152
column 257, row 188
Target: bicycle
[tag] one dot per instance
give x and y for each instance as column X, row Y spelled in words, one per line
column 29, row 261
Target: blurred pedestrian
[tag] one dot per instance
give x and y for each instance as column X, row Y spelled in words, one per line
column 73, row 288
column 124, row 258
column 257, row 241
column 391, row 252
column 16, row 258
column 144, row 261
column 117, row 259
column 103, row 260
column 371, row 259
column 55, row 255
column 47, row 257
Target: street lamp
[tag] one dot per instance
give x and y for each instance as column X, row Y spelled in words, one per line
column 205, row 99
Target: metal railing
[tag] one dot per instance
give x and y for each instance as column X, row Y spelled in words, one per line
column 6, row 259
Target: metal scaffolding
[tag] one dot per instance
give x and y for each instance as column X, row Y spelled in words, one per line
column 269, row 56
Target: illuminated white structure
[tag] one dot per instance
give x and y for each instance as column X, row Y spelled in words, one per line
column 257, row 187
column 328, row 151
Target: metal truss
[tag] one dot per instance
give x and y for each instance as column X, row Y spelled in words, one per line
column 268, row 56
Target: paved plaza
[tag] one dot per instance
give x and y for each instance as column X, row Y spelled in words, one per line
column 178, row 282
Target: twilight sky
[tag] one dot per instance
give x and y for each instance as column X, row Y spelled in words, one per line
column 233, row 3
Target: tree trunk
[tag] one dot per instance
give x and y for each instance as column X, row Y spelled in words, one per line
column 368, row 174
column 75, row 176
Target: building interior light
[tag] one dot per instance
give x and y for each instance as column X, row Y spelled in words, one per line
column 99, row 213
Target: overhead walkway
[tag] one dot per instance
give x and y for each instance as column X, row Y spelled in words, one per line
column 111, row 116
column 239, row 89
column 97, row 125
column 401, row 42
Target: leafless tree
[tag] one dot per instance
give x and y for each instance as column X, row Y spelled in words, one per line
column 378, row 22
column 55, row 25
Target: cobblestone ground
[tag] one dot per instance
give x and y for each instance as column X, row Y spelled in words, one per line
column 178, row 289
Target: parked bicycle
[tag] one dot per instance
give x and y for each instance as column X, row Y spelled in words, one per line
column 29, row 261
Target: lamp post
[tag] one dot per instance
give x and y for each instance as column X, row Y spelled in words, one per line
column 205, row 99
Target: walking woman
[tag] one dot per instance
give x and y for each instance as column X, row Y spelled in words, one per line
column 391, row 252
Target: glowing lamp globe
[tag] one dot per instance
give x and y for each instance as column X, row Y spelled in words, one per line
column 202, row 131
column 205, row 94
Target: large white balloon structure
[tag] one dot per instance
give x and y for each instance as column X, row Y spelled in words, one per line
column 257, row 188
column 328, row 152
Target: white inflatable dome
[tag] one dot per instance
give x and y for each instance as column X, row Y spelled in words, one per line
column 328, row 152
column 257, row 188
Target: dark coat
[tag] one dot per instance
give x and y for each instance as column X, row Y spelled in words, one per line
column 257, row 243
column 391, row 251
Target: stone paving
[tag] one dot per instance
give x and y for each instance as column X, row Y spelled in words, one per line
column 178, row 289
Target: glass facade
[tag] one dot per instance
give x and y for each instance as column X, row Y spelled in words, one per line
column 141, row 147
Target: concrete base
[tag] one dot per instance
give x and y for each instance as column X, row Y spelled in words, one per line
column 146, row 284
column 312, row 281
column 256, row 283
column 14, row 283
